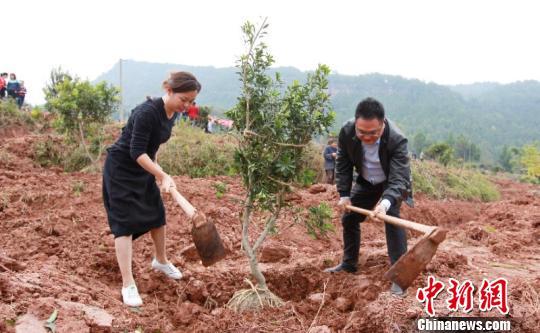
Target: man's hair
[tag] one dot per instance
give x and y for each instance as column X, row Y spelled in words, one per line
column 4, row 74
column 368, row 109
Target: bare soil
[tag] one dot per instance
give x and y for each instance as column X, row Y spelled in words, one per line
column 57, row 252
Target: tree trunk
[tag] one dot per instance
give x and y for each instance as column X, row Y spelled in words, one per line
column 83, row 142
column 251, row 251
column 251, row 254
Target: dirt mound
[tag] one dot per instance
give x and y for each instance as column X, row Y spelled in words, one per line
column 58, row 253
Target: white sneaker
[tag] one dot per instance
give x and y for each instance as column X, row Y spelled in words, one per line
column 168, row 269
column 131, row 297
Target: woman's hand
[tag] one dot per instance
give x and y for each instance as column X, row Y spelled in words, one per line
column 167, row 183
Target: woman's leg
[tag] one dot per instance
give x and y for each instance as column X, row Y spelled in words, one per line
column 158, row 236
column 124, row 253
column 160, row 261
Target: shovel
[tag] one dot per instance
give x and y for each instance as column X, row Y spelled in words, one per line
column 204, row 233
column 412, row 263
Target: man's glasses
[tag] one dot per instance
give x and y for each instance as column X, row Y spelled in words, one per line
column 361, row 133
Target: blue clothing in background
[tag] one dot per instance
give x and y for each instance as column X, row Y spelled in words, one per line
column 329, row 160
column 13, row 87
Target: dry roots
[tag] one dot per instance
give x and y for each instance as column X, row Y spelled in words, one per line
column 253, row 299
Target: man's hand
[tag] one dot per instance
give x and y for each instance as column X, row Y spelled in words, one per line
column 380, row 210
column 344, row 201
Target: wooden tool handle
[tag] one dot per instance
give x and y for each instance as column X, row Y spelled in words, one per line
column 395, row 221
column 183, row 203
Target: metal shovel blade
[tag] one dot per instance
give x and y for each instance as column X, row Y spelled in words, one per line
column 412, row 263
column 207, row 241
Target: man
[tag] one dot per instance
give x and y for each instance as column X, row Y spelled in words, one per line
column 330, row 154
column 378, row 151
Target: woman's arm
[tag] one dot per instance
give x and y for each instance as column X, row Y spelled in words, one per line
column 147, row 164
column 152, row 167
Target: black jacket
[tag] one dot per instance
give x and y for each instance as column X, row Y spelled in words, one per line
column 393, row 155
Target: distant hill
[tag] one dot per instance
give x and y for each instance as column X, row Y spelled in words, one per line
column 491, row 114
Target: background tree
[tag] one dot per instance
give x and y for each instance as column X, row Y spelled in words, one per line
column 530, row 159
column 275, row 127
column 419, row 142
column 83, row 109
column 465, row 149
column 509, row 158
column 57, row 76
column 442, row 152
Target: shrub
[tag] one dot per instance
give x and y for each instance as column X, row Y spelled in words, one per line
column 49, row 152
column 11, row 115
column 312, row 170
column 78, row 160
column 441, row 152
column 6, row 158
column 319, row 221
column 221, row 189
column 54, row 151
column 36, row 113
column 78, row 187
column 441, row 182
column 83, row 109
column 192, row 152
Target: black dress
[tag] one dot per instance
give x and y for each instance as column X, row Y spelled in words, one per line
column 130, row 194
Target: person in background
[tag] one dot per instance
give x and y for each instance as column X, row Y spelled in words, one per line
column 193, row 113
column 12, row 86
column 329, row 155
column 210, row 125
column 3, row 85
column 21, row 94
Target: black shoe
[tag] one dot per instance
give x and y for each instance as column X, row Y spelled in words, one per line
column 340, row 268
column 396, row 290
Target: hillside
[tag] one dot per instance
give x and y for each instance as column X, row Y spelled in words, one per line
column 58, row 253
column 492, row 115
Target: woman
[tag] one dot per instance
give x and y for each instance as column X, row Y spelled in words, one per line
column 12, row 86
column 130, row 194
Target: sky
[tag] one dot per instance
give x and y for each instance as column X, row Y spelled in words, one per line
column 441, row 41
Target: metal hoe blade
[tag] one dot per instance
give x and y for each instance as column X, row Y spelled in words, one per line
column 412, row 263
column 207, row 242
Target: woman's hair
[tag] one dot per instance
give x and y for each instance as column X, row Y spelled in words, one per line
column 12, row 75
column 180, row 82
